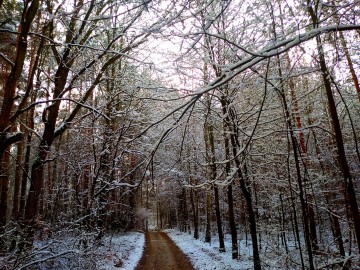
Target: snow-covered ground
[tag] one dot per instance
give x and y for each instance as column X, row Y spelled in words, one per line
column 273, row 254
column 122, row 251
column 118, row 251
column 207, row 256
column 129, row 247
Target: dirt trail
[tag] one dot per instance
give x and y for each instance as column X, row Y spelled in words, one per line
column 162, row 254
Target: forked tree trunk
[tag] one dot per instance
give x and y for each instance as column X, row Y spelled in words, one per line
column 210, row 150
column 37, row 170
column 248, row 199
column 227, row 131
column 49, row 118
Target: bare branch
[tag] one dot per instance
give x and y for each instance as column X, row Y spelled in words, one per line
column 6, row 59
column 67, row 99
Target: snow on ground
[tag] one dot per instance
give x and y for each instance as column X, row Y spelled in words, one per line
column 118, row 251
column 273, row 254
column 207, row 256
column 122, row 251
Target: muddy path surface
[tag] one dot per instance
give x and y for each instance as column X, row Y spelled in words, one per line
column 162, row 254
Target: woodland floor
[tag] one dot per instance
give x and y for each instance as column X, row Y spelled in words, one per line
column 161, row 253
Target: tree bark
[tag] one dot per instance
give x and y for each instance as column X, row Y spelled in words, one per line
column 218, row 219
column 208, row 217
column 303, row 202
column 248, row 199
column 17, row 181
column 37, row 170
column 350, row 193
column 348, row 182
column 25, row 173
column 210, row 146
column 182, row 210
column 337, row 233
column 350, row 64
column 252, row 218
column 4, row 184
column 29, row 12
column 193, row 200
column 227, row 131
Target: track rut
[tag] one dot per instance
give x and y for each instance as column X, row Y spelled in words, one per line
column 161, row 253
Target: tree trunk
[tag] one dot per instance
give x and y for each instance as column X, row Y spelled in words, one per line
column 233, row 232
column 6, row 139
column 29, row 12
column 17, row 181
column 350, row 64
column 252, row 221
column 50, row 116
column 210, row 147
column 193, row 200
column 348, row 182
column 350, row 194
column 337, row 233
column 209, row 160
column 234, row 140
column 218, row 219
column 294, row 145
column 293, row 206
column 182, row 210
column 25, row 175
column 4, row 184
column 283, row 226
column 208, row 217
column 227, row 131
column 249, row 206
column 312, row 225
column 303, row 202
column 132, row 195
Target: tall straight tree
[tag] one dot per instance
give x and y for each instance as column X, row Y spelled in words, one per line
column 227, row 147
column 7, row 136
column 350, row 192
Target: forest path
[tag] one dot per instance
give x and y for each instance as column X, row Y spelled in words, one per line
column 162, row 254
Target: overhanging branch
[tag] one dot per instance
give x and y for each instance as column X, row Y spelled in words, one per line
column 231, row 71
column 7, row 139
